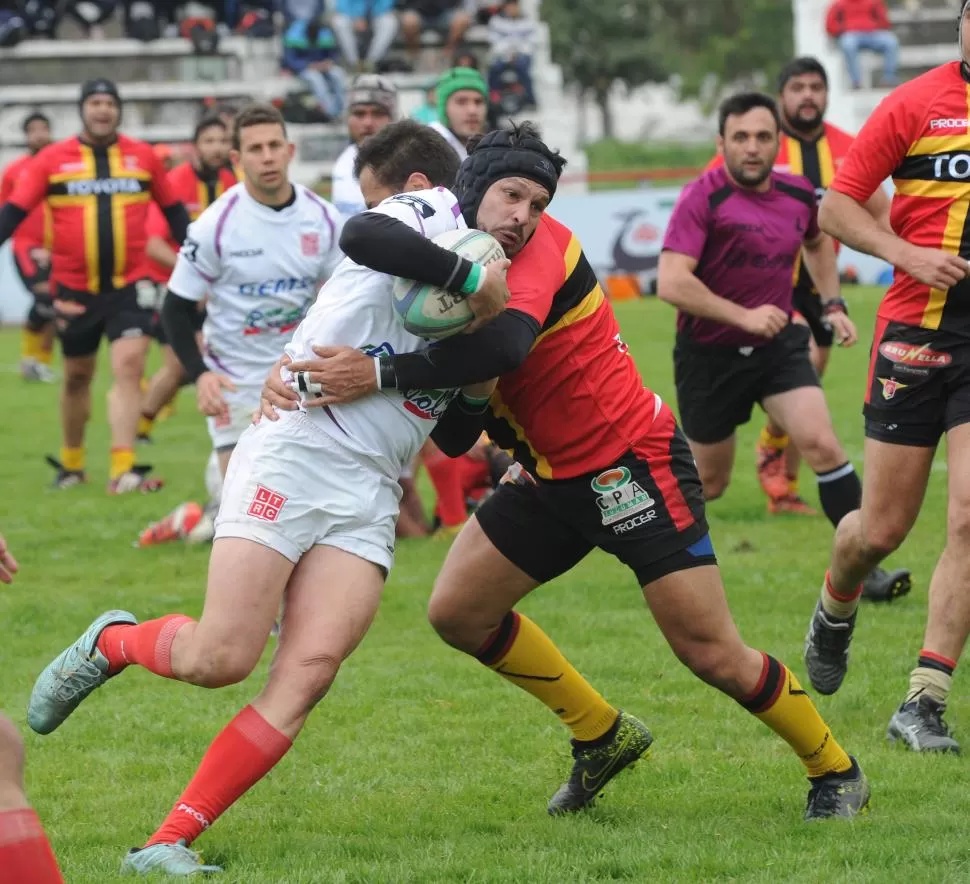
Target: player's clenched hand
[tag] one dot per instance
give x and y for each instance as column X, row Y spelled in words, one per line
column 208, row 391
column 941, row 270
column 491, row 298
column 8, row 564
column 765, row 321
column 843, row 328
column 276, row 394
column 343, row 373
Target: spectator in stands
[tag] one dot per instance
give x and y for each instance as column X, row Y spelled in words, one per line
column 309, row 51
column 351, row 21
column 512, row 39
column 451, row 18
column 864, row 24
column 462, row 107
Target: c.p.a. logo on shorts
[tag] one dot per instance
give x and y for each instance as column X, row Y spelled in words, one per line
column 619, row 496
column 266, row 504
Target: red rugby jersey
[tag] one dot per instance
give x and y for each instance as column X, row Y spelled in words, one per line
column 36, row 231
column 577, row 402
column 920, row 135
column 196, row 194
column 99, row 196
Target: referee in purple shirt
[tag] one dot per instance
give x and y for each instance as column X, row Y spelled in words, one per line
column 730, row 254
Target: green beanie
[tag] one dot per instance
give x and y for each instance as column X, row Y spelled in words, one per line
column 456, row 80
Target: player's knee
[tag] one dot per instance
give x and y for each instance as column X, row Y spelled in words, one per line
column 821, row 450
column 128, row 368
column 76, row 381
column 450, row 623
column 958, row 525
column 217, row 667
column 884, row 535
column 312, row 677
column 712, row 662
column 715, row 484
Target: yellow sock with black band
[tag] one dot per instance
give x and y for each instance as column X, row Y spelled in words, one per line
column 779, row 701
column 122, row 460
column 32, row 345
column 523, row 654
column 767, row 439
column 72, row 459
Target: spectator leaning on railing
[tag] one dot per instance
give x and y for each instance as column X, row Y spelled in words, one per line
column 864, row 24
column 513, row 39
column 309, row 51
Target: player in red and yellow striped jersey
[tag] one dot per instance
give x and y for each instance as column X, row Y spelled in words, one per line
column 31, row 253
column 609, row 466
column 919, row 378
column 98, row 185
column 812, row 147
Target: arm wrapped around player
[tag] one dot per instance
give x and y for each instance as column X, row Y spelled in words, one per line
column 462, row 423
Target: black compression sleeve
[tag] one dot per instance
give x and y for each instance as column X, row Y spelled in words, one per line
column 178, row 317
column 389, row 246
column 178, row 221
column 10, row 218
column 459, row 427
column 495, row 349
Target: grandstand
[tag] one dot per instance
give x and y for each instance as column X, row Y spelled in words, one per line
column 166, row 85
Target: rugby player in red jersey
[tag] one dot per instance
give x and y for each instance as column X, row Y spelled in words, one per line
column 918, row 388
column 611, row 470
column 31, row 254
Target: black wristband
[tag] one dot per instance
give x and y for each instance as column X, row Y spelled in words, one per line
column 836, row 305
column 388, row 374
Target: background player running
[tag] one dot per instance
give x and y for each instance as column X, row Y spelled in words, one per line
column 32, row 258
column 731, row 244
column 918, row 387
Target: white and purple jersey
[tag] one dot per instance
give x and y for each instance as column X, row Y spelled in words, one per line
column 260, row 269
column 747, row 245
column 355, row 308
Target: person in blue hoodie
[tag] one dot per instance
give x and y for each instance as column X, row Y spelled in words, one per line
column 310, row 52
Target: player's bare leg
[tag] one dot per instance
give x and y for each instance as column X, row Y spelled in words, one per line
column 715, row 462
column 691, row 610
column 75, row 412
column 918, row 723
column 895, row 484
column 243, row 595
column 471, row 609
column 331, row 600
column 162, row 389
column 124, row 407
column 25, row 854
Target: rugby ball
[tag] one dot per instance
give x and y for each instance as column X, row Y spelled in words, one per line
column 434, row 313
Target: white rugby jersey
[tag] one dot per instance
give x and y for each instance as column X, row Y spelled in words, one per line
column 451, row 138
column 260, row 269
column 355, row 309
column 344, row 187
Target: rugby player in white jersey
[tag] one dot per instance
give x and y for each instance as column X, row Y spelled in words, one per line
column 307, row 516
column 259, row 253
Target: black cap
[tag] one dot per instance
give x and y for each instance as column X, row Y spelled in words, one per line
column 100, row 86
column 505, row 153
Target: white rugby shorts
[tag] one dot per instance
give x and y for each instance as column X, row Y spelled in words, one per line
column 291, row 486
column 242, row 402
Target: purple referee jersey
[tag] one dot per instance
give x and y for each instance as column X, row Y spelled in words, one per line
column 747, row 245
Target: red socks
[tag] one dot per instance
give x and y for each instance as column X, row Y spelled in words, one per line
column 25, row 854
column 148, row 644
column 246, row 750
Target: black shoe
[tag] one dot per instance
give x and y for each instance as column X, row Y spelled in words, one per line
column 886, row 586
column 65, row 478
column 595, row 765
column 827, row 650
column 838, row 794
column 918, row 724
column 144, row 439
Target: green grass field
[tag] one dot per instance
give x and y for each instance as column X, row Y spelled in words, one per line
column 423, row 767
